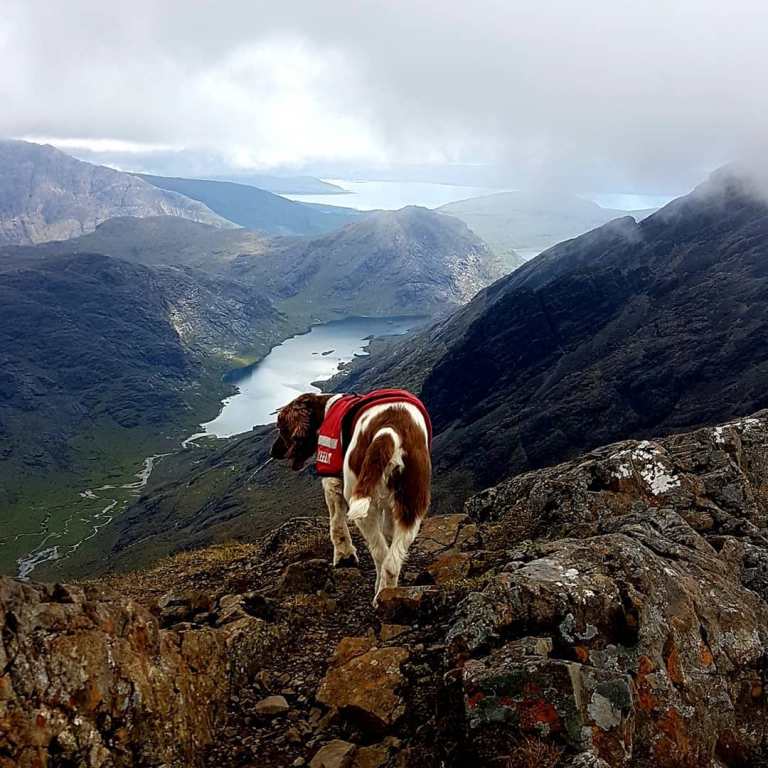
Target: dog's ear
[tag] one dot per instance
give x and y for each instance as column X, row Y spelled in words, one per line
column 297, row 417
column 298, row 424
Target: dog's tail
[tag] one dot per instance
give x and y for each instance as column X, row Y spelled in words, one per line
column 377, row 459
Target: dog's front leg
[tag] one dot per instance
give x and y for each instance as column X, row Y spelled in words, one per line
column 344, row 552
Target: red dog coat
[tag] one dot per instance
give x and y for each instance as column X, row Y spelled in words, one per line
column 336, row 429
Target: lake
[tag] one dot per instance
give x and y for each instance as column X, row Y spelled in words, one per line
column 291, row 367
column 393, row 195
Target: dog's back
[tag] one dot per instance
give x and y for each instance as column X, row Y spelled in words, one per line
column 389, row 454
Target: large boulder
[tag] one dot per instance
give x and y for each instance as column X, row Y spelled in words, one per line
column 644, row 566
column 89, row 679
column 365, row 685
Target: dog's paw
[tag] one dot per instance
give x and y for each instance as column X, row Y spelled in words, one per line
column 358, row 509
column 350, row 560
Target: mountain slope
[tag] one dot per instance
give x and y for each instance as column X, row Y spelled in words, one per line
column 389, row 262
column 154, row 241
column 48, row 195
column 257, row 209
column 530, row 222
column 412, row 261
column 627, row 330
column 103, row 362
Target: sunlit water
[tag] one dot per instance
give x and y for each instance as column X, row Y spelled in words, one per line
column 392, row 195
column 622, row 201
column 290, row 368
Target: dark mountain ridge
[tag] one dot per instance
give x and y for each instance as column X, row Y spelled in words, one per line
column 83, row 335
column 103, row 362
column 627, row 330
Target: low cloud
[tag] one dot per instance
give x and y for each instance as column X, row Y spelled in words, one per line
column 601, row 96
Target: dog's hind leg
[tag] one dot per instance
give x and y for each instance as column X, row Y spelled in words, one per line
column 402, row 538
column 383, row 455
column 370, row 527
column 344, row 552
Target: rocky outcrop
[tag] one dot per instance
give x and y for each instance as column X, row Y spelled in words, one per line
column 89, row 679
column 628, row 620
column 609, row 611
column 365, row 685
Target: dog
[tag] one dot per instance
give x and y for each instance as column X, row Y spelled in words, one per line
column 373, row 454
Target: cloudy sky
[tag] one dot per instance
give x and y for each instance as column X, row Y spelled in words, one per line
column 597, row 95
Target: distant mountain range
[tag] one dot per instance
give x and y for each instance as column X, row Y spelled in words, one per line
column 257, row 209
column 48, row 195
column 628, row 330
column 412, row 261
column 530, row 222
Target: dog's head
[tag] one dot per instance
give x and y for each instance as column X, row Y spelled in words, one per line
column 297, row 426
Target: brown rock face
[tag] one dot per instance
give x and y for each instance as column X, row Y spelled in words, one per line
column 440, row 532
column 335, row 754
column 90, row 680
column 403, row 603
column 450, row 566
column 657, row 648
column 366, row 686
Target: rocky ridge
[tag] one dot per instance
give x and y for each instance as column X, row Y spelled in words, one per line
column 609, row 611
column 609, row 336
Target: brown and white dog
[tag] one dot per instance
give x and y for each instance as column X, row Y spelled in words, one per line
column 385, row 485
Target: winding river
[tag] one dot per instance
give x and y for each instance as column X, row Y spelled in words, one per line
column 99, row 508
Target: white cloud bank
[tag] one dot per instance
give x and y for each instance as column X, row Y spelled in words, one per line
column 606, row 94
